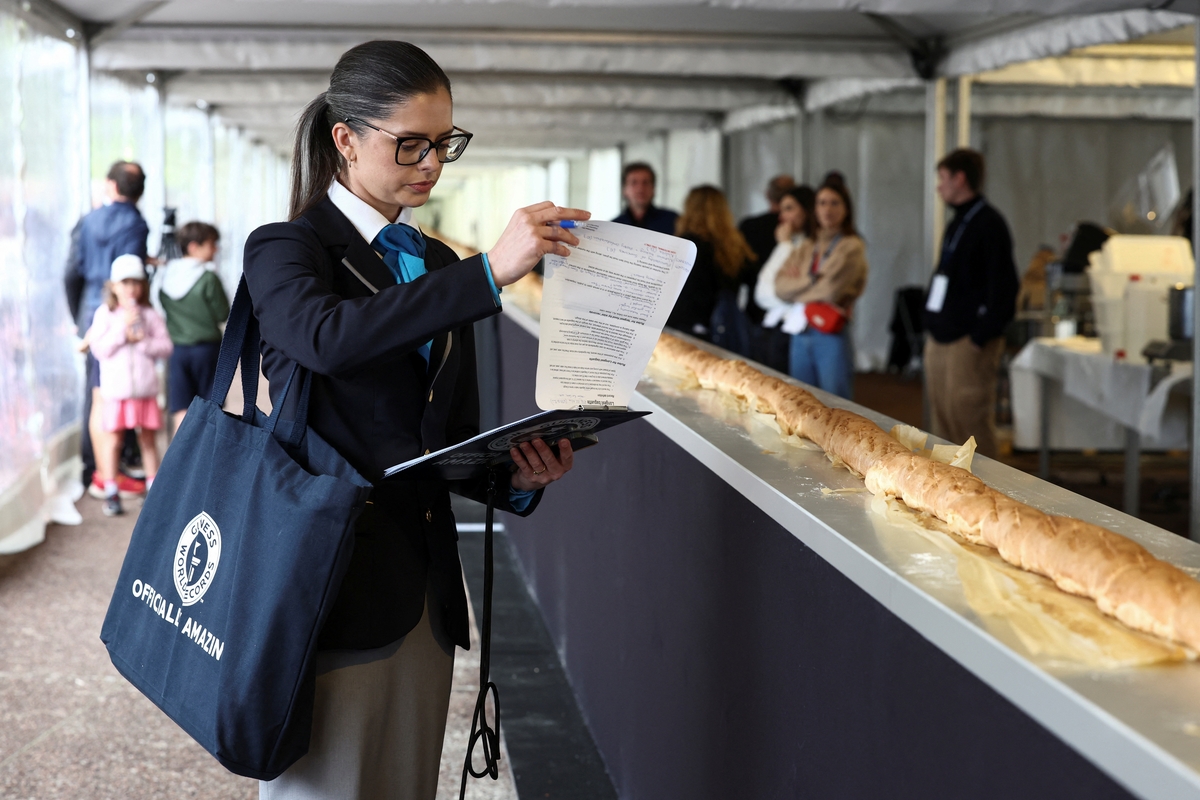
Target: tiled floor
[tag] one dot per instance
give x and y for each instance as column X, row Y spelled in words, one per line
column 71, row 727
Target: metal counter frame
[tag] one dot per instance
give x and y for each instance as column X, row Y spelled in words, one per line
column 1140, row 726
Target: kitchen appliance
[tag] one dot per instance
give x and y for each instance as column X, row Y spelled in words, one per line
column 1181, row 326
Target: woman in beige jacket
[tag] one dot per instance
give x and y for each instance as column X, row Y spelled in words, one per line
column 827, row 274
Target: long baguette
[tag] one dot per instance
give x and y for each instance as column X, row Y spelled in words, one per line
column 1121, row 576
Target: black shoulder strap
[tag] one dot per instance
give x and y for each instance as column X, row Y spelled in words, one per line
column 241, row 344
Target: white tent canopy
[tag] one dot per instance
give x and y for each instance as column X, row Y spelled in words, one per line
column 580, row 72
column 567, row 89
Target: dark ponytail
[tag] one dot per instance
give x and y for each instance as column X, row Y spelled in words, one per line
column 369, row 81
column 315, row 159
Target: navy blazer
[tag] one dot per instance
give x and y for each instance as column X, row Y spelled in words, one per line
column 378, row 403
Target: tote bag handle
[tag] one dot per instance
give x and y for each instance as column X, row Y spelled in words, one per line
column 241, row 343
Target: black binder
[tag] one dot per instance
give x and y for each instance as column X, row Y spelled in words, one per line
column 490, row 449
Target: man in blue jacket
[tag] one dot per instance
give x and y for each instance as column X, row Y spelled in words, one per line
column 99, row 237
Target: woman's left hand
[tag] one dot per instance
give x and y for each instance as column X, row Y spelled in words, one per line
column 537, row 466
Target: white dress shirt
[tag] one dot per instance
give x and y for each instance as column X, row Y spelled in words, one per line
column 365, row 219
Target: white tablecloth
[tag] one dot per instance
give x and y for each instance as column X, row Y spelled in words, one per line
column 1093, row 398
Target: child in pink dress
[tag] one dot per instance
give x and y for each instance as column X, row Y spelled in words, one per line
column 126, row 337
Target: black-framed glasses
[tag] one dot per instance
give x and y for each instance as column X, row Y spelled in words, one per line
column 413, row 149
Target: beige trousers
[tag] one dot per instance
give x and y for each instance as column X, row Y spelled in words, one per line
column 377, row 726
column 960, row 382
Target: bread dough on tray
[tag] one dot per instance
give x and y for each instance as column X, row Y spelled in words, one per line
column 1028, row 611
column 1123, row 579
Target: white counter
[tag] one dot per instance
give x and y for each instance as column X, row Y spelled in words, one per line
column 1140, row 725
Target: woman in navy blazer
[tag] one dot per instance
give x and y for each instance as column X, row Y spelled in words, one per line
column 393, row 362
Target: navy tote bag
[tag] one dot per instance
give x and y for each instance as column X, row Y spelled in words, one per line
column 234, row 563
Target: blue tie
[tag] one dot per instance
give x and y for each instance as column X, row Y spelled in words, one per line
column 402, row 248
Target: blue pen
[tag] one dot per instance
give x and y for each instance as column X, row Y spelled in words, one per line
column 564, row 223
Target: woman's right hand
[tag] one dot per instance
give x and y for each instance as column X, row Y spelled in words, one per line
column 533, row 232
column 783, row 232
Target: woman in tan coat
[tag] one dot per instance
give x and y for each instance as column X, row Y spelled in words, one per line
column 827, row 274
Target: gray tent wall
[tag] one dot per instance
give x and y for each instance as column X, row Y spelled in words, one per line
column 1052, row 161
column 682, row 159
column 1044, row 173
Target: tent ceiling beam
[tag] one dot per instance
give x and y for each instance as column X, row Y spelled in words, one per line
column 494, row 119
column 1054, row 37
column 1160, row 103
column 351, row 35
column 773, row 58
column 925, row 52
column 556, row 141
column 831, row 91
column 507, row 92
column 99, row 33
column 1088, row 70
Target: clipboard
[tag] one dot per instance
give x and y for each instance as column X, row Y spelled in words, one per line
column 489, row 450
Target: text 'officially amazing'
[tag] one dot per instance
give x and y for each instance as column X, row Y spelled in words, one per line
column 192, row 629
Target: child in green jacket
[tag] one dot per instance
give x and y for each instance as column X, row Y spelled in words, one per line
column 189, row 294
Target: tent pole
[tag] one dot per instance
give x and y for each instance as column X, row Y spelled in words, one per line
column 935, row 210
column 964, row 111
column 799, row 143
column 1194, row 515
column 935, row 148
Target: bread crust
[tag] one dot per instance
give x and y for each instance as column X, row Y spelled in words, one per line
column 1121, row 576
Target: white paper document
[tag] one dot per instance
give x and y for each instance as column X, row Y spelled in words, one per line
column 603, row 308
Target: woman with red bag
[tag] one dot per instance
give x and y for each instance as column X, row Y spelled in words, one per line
column 827, row 274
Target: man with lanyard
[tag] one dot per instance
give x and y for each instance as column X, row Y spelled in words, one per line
column 637, row 187
column 971, row 300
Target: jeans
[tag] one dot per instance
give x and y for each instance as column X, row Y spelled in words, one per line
column 823, row 360
column 730, row 328
column 770, row 347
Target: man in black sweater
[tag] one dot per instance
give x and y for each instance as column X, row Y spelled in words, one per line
column 971, row 300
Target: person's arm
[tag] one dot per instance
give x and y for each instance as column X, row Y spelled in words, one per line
column 764, row 287
column 1000, row 272
column 157, row 343
column 73, row 278
column 107, row 334
column 215, row 299
column 299, row 314
column 840, row 277
column 793, row 277
column 462, row 423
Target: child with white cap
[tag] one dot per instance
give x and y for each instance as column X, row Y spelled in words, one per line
column 126, row 337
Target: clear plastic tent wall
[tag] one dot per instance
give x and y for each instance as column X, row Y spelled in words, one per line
column 41, row 379
column 251, row 189
column 126, row 126
column 51, row 120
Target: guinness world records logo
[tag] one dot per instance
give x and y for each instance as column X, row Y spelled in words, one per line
column 196, row 558
column 551, row 430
